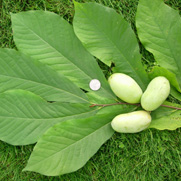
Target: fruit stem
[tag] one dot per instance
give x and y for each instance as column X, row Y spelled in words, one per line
column 118, row 103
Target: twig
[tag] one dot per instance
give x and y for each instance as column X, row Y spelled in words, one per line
column 118, row 103
column 172, row 107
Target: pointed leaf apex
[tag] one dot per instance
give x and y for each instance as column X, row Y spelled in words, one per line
column 24, row 169
column 75, row 2
column 11, row 13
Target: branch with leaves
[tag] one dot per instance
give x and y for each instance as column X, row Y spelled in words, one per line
column 55, row 59
column 122, row 103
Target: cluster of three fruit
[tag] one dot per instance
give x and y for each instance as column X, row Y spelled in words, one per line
column 129, row 91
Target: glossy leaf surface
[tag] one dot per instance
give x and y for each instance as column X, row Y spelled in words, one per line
column 159, row 29
column 24, row 116
column 50, row 39
column 110, row 38
column 18, row 71
column 67, row 146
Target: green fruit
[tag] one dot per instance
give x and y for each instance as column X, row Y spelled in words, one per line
column 125, row 88
column 156, row 93
column 131, row 122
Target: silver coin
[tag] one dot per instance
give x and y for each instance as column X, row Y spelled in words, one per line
column 95, row 84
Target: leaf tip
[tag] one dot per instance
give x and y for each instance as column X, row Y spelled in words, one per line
column 12, row 14
column 75, row 2
column 25, row 169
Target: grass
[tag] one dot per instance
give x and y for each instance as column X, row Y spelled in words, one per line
column 151, row 155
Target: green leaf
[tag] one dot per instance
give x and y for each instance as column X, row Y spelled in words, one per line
column 110, row 38
column 95, row 98
column 24, row 116
column 67, row 146
column 175, row 93
column 160, row 71
column 159, row 29
column 166, row 118
column 18, row 71
column 50, row 39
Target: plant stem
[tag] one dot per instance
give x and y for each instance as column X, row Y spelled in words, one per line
column 118, row 103
column 172, row 107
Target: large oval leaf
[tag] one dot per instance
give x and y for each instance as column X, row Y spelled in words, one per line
column 67, row 146
column 24, row 116
column 18, row 71
column 48, row 38
column 159, row 29
column 110, row 38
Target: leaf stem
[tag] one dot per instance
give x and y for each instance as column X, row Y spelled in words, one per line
column 118, row 103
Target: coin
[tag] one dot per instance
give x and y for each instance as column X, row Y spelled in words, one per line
column 95, row 84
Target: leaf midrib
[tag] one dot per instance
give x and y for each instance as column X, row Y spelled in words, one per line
column 72, row 144
column 46, row 85
column 114, row 45
column 47, row 119
column 164, row 37
column 50, row 45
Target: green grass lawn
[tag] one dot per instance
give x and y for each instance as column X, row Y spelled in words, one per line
column 151, row 155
